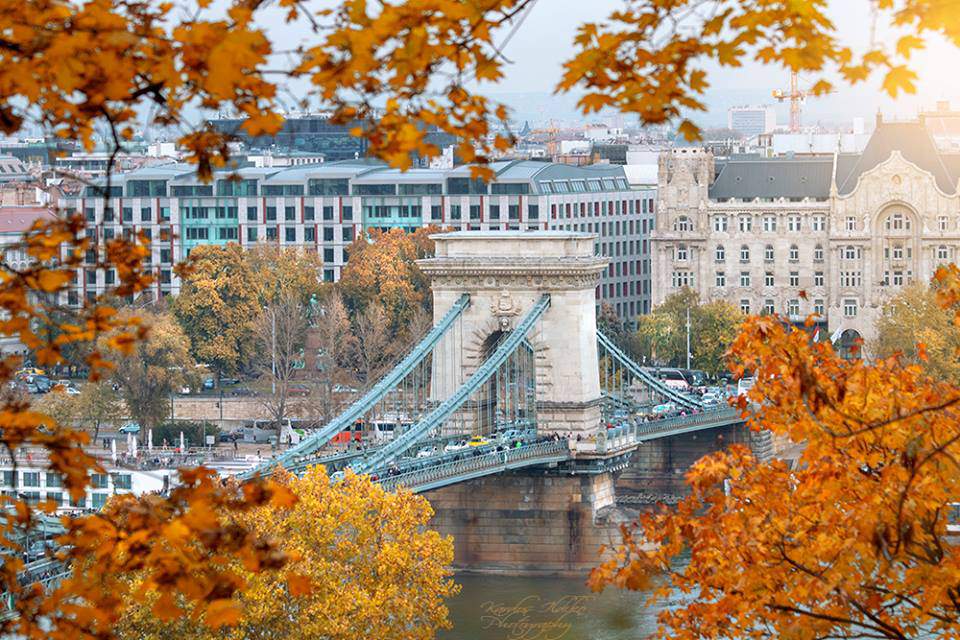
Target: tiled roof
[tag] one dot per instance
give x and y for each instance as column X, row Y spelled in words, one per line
column 20, row 219
column 914, row 143
column 807, row 177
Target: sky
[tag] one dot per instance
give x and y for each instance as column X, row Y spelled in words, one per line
column 544, row 41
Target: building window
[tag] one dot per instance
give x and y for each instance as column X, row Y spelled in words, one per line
column 818, row 307
column 818, row 223
column 744, row 253
column 683, row 224
column 290, row 234
column 745, row 223
column 818, row 253
column 898, row 278
column 897, row 222
column 309, row 213
column 898, row 252
column 793, row 223
column 942, row 223
column 794, row 278
column 122, row 481
column 251, row 234
column 794, row 253
column 768, row 279
column 682, row 252
column 768, row 307
column 943, row 253
column 744, row 306
column 31, row 478
column 768, row 253
column 721, row 279
column 720, row 223
column 793, row 308
column 682, row 279
column 818, row 278
column 328, row 256
column 851, row 252
column 850, row 308
column 99, row 480
column 54, row 480
column 271, row 233
column 455, row 212
column 851, row 223
column 719, row 253
column 309, row 234
column 850, row 279
column 289, row 213
column 769, row 224
column 744, row 278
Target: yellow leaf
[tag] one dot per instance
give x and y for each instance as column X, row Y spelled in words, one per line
column 222, row 613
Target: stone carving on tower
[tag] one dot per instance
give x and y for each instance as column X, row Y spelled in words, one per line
column 505, row 310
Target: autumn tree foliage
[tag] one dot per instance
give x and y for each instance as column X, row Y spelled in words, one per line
column 380, row 572
column 851, row 541
column 382, row 268
column 156, row 367
column 912, row 317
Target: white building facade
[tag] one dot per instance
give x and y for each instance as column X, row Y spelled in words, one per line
column 847, row 230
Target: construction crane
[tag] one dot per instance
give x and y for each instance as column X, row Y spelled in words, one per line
column 796, row 98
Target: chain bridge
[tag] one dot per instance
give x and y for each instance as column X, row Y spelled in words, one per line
column 514, row 361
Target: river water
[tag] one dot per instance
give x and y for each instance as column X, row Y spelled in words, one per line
column 508, row 608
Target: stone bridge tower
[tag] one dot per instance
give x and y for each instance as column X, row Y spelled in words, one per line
column 506, row 273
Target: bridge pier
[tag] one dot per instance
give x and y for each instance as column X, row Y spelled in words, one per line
column 529, row 523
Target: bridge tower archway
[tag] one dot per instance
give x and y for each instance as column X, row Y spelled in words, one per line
column 506, row 273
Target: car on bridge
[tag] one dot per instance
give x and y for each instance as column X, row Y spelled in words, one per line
column 456, row 445
column 665, row 408
column 478, row 441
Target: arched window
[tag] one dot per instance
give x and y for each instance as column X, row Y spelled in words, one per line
column 683, row 224
column 744, row 253
column 720, row 253
column 794, row 253
column 943, row 252
column 768, row 253
column 850, row 252
column 681, row 252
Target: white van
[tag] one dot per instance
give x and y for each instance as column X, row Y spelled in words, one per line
column 744, row 385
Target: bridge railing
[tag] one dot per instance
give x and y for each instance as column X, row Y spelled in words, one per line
column 483, row 464
column 628, row 435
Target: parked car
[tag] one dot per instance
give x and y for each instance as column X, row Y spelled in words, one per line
column 130, row 427
column 209, row 384
column 298, row 390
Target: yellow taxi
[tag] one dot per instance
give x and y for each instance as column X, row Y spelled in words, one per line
column 477, row 441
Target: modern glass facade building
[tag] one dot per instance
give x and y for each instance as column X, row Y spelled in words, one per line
column 324, row 207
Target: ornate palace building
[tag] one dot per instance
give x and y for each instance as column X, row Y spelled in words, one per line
column 848, row 229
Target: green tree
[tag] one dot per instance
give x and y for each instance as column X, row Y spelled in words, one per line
column 713, row 327
column 913, row 322
column 218, row 307
column 158, row 366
